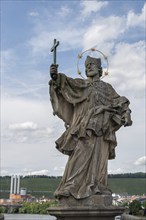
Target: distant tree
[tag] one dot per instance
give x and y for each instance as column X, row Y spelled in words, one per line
column 3, row 209
column 22, row 210
column 144, row 207
column 135, row 207
column 15, row 210
column 128, row 175
column 37, row 207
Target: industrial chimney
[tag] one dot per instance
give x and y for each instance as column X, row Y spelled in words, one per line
column 15, row 187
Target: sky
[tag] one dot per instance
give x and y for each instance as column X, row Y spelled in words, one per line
column 28, row 28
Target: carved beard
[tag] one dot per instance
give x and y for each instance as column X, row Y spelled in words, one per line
column 92, row 72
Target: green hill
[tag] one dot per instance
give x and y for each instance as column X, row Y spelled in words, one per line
column 39, row 186
column 132, row 186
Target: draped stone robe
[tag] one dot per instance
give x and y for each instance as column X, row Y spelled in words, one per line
column 93, row 112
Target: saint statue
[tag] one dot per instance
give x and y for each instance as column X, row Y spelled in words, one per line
column 92, row 111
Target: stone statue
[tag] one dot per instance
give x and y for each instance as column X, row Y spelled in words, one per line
column 93, row 112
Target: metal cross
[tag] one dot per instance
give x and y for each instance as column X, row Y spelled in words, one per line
column 54, row 48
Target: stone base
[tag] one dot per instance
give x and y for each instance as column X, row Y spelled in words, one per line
column 100, row 201
column 96, row 207
column 85, row 213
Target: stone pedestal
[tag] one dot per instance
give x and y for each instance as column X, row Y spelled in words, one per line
column 85, row 213
column 97, row 207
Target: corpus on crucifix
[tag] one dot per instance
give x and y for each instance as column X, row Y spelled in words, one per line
column 93, row 111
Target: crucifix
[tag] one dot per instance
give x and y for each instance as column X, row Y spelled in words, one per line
column 54, row 49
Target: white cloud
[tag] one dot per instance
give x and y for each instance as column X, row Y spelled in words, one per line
column 64, row 11
column 15, row 110
column 69, row 38
column 90, row 6
column 134, row 20
column 116, row 171
column 106, row 30
column 103, row 30
column 19, row 134
column 59, row 170
column 26, row 172
column 99, row 33
column 38, row 124
column 39, row 43
column 29, row 125
column 33, row 14
column 24, row 84
column 127, row 67
column 28, row 132
column 49, row 130
column 37, row 172
column 8, row 60
column 4, row 172
column 140, row 161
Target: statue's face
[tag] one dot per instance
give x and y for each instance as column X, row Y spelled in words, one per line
column 91, row 69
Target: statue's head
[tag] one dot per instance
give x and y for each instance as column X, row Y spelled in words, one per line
column 93, row 66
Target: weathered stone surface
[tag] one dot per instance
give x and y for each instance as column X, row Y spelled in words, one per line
column 97, row 207
column 98, row 201
column 83, row 213
column 93, row 112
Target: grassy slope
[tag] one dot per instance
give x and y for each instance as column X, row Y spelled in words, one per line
column 48, row 185
column 133, row 186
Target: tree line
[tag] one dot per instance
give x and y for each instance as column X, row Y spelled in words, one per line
column 128, row 175
column 30, row 207
column 121, row 175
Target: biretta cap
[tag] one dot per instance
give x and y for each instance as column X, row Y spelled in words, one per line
column 97, row 61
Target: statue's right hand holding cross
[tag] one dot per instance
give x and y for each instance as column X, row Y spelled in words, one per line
column 54, row 66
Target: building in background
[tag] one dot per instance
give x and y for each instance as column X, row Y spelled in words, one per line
column 17, row 193
column 15, row 188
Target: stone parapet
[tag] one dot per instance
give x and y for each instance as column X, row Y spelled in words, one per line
column 1, row 217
